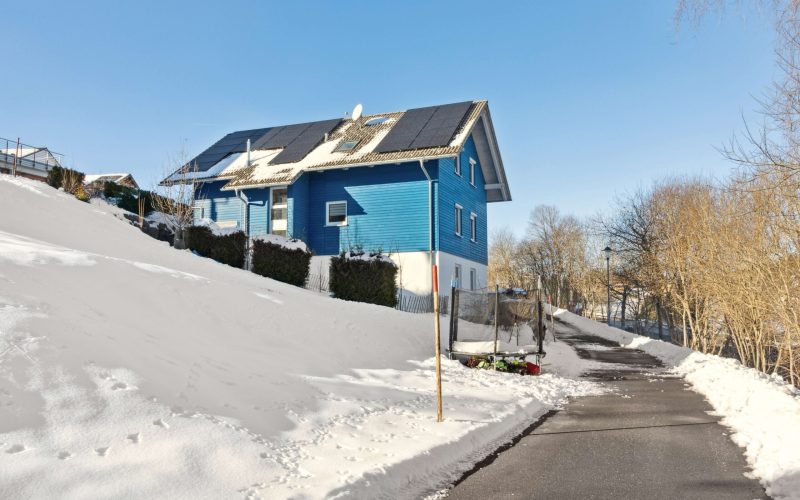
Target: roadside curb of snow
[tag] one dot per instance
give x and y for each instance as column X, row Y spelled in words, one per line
column 426, row 475
column 763, row 411
column 442, row 465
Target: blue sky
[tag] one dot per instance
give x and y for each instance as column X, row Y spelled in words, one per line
column 589, row 98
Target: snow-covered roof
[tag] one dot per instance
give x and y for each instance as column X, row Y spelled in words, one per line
column 23, row 152
column 115, row 177
column 353, row 143
column 30, row 156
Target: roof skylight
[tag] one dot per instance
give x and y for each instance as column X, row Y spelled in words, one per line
column 376, row 121
column 347, row 146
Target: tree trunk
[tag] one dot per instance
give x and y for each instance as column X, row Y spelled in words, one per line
column 624, row 304
column 658, row 318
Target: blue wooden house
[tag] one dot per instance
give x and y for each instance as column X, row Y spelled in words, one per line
column 414, row 184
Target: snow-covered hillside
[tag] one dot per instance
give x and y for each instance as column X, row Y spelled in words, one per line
column 130, row 369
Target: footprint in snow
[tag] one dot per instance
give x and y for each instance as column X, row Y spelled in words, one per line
column 161, row 423
column 135, row 438
column 118, row 386
column 17, row 448
column 101, row 452
column 64, row 455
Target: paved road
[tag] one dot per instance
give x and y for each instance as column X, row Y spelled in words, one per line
column 652, row 438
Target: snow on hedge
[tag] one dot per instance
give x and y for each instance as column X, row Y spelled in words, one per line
column 130, row 369
column 762, row 410
column 368, row 256
column 282, row 241
column 215, row 228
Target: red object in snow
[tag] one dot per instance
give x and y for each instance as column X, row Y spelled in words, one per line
column 533, row 369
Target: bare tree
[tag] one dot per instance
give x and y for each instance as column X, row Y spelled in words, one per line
column 176, row 197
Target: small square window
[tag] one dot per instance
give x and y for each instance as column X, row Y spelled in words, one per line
column 336, row 213
column 347, row 146
column 457, row 276
column 473, row 279
column 473, row 227
column 458, row 219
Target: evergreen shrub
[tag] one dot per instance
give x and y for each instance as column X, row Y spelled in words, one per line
column 280, row 263
column 227, row 248
column 370, row 279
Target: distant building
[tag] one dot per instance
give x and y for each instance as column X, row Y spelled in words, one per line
column 414, row 184
column 27, row 161
column 123, row 179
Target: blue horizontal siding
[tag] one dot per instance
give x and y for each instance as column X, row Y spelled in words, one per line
column 457, row 189
column 219, row 206
column 298, row 208
column 387, row 209
column 258, row 211
column 224, row 206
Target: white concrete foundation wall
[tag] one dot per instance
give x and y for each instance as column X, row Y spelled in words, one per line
column 414, row 271
column 447, row 268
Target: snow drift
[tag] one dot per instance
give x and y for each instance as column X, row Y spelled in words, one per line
column 762, row 410
column 130, row 369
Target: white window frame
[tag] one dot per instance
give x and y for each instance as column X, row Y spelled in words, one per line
column 473, row 278
column 280, row 205
column 457, row 275
column 458, row 215
column 473, row 227
column 472, row 164
column 458, row 166
column 328, row 222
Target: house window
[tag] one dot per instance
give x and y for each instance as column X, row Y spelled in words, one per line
column 336, row 213
column 473, row 227
column 473, row 279
column 457, row 276
column 458, row 166
column 279, row 211
column 458, row 219
column 472, row 171
column 347, row 146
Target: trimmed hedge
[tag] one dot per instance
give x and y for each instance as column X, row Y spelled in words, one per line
column 371, row 281
column 227, row 249
column 280, row 263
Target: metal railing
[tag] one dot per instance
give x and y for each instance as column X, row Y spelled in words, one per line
column 14, row 153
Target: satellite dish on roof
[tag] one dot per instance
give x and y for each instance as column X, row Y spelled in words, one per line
column 357, row 112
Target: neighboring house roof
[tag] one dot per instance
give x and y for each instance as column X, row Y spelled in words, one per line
column 121, row 178
column 423, row 133
column 30, row 156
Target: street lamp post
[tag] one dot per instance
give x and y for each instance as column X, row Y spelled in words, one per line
column 607, row 251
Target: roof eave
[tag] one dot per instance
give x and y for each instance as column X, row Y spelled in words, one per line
column 496, row 158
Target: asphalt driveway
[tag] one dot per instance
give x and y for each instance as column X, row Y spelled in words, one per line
column 651, row 437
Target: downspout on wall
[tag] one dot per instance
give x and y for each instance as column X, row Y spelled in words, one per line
column 430, row 219
column 246, row 223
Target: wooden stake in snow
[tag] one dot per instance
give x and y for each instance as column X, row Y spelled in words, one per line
column 435, row 274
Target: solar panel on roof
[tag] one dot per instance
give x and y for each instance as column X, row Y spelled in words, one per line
column 424, row 128
column 405, row 130
column 235, row 142
column 285, row 136
column 305, row 142
column 442, row 126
